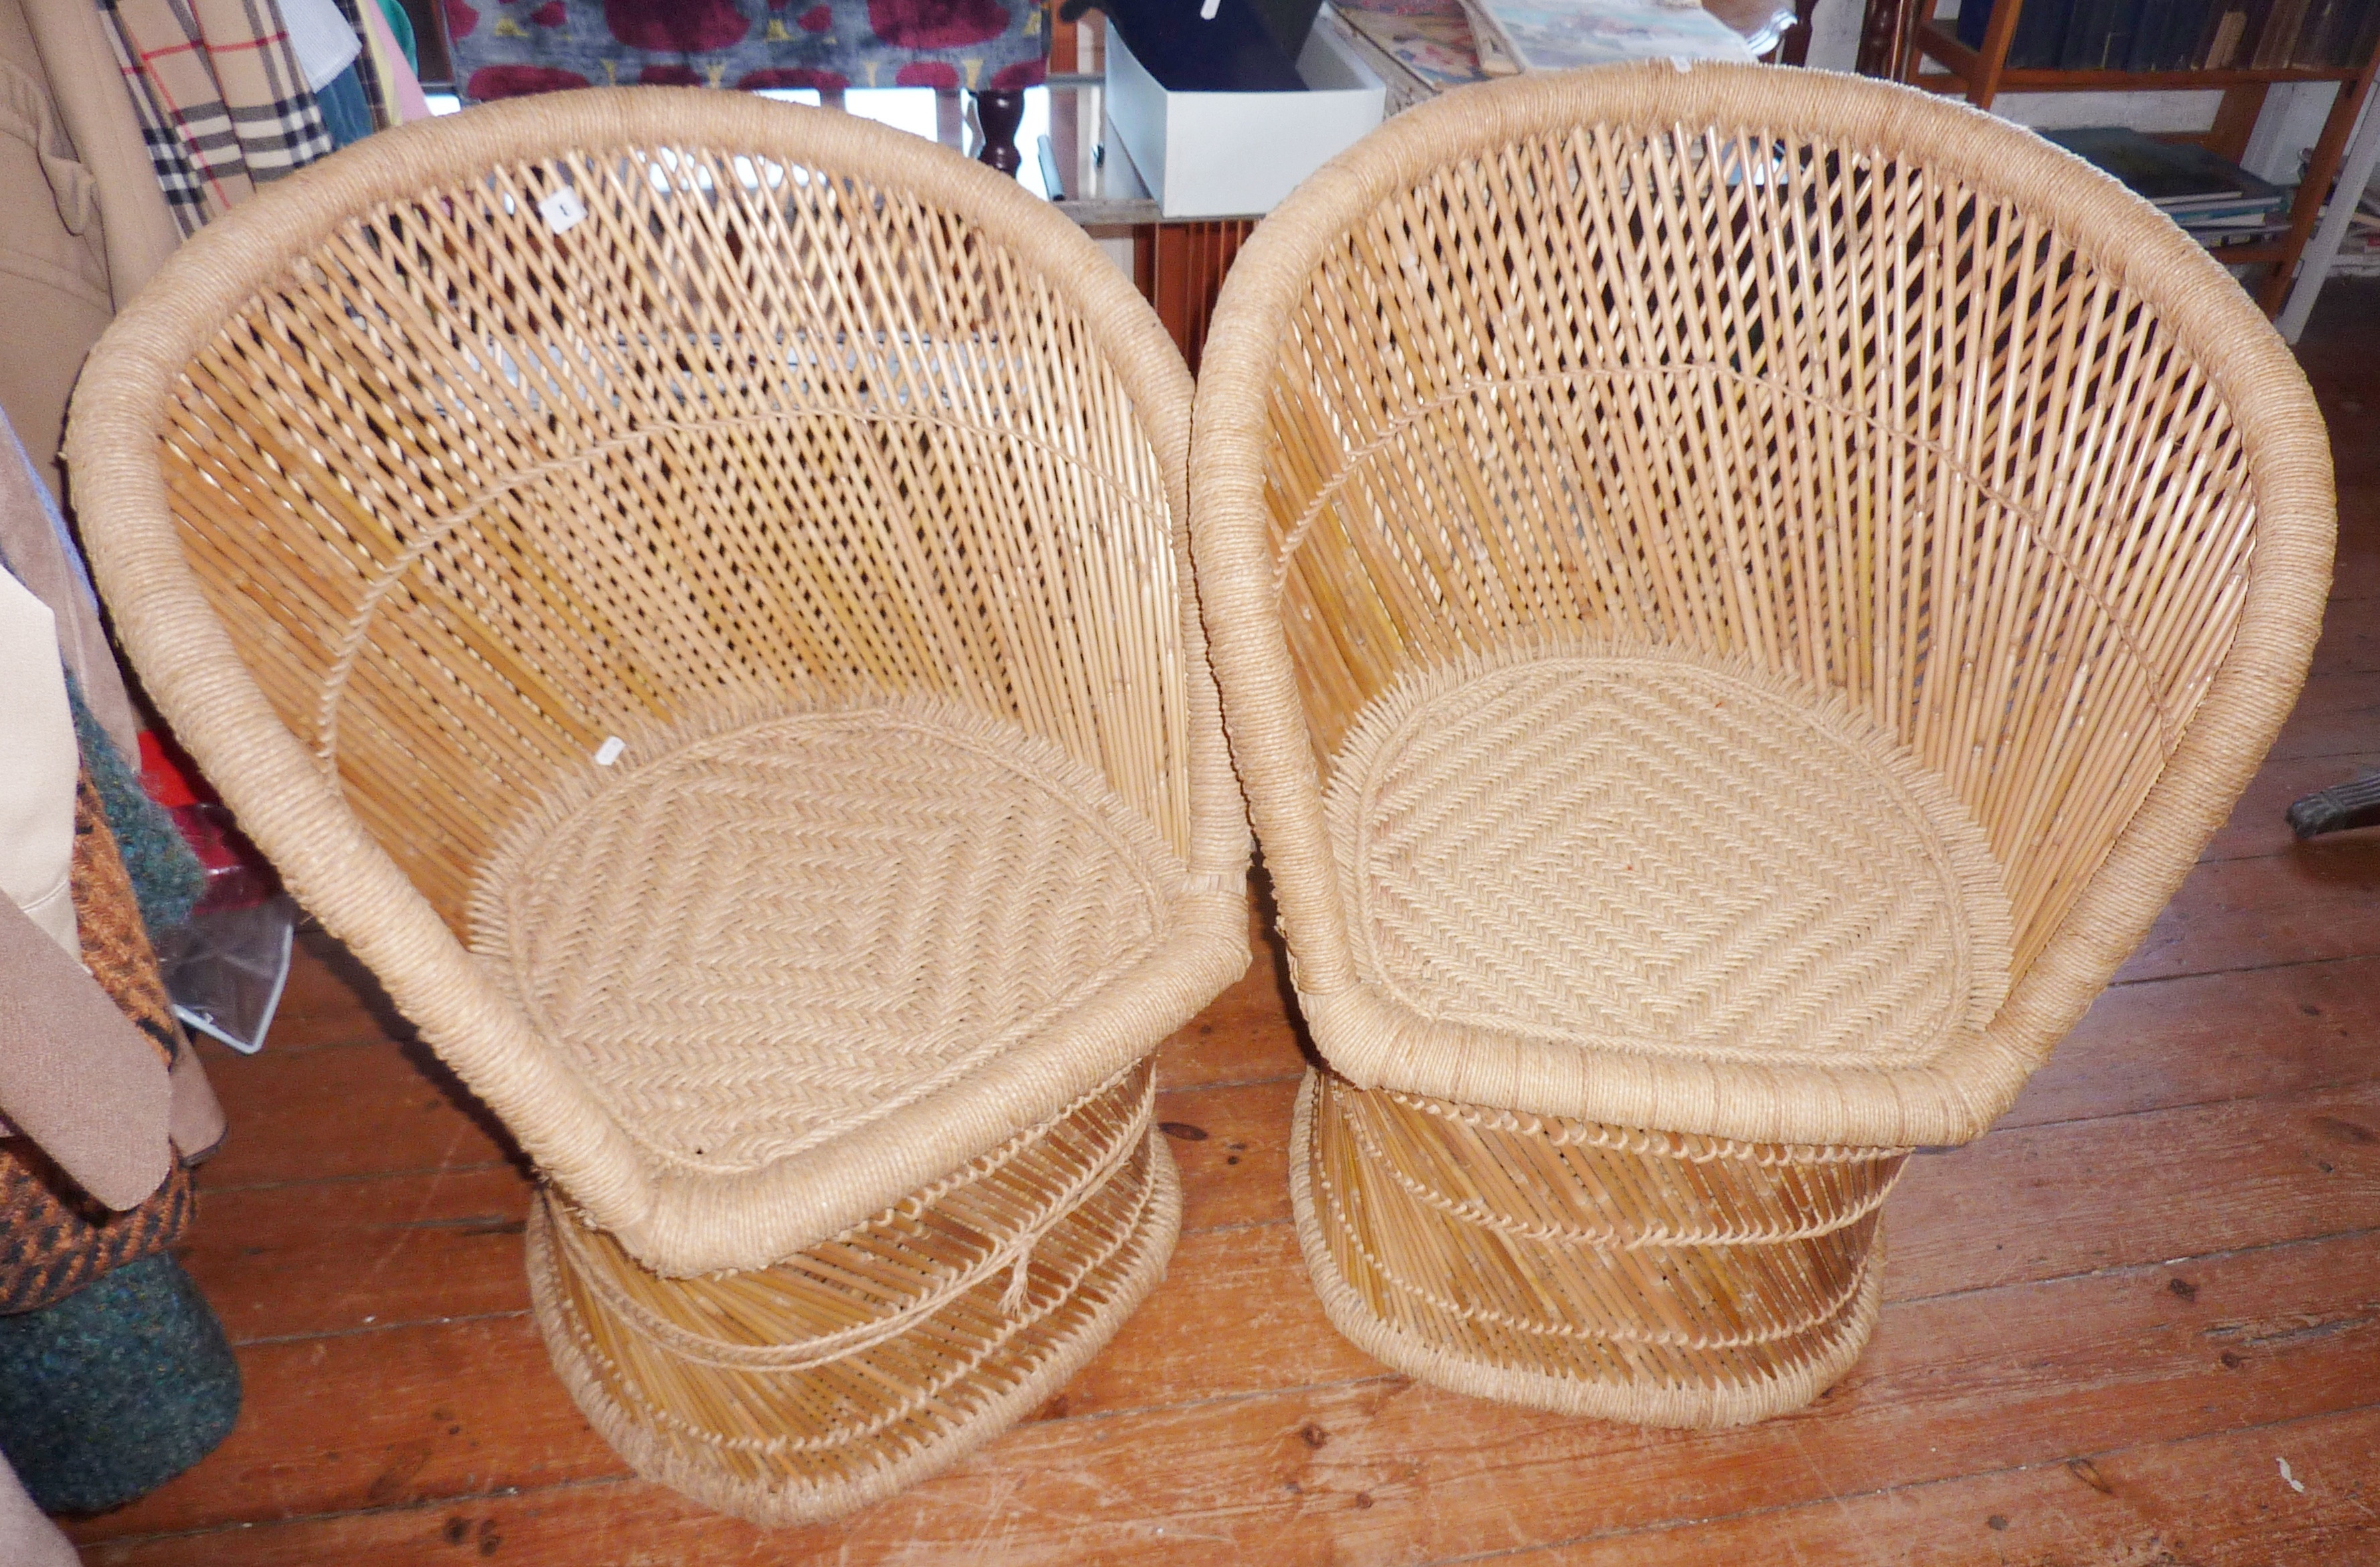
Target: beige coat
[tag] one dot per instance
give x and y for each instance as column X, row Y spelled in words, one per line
column 82, row 223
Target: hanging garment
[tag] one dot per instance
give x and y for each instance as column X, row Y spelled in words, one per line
column 400, row 28
column 27, row 1538
column 94, row 1180
column 329, row 38
column 82, row 223
column 392, row 55
column 96, row 1077
column 347, row 111
column 221, row 96
column 36, row 547
column 324, row 36
column 37, row 768
column 115, row 1390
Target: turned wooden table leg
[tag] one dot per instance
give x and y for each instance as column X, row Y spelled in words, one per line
column 997, row 115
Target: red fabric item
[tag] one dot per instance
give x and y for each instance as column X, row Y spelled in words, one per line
column 163, row 777
column 511, row 81
column 936, row 24
column 676, row 27
column 236, row 874
column 828, row 81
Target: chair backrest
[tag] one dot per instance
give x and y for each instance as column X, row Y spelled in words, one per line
column 1874, row 391
column 424, row 473
column 798, row 406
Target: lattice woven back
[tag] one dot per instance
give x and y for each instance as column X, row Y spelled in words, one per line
column 624, row 413
column 1877, row 394
column 746, row 430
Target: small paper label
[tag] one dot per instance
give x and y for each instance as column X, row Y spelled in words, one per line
column 609, row 751
column 563, row 208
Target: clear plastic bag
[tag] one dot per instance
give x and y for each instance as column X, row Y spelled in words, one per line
column 224, row 969
column 226, row 966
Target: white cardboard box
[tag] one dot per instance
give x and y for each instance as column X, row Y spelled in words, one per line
column 1236, row 154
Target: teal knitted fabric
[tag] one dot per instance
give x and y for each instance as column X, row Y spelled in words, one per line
column 115, row 1390
column 166, row 877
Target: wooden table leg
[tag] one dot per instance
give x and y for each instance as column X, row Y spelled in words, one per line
column 1883, row 38
column 1794, row 49
column 997, row 115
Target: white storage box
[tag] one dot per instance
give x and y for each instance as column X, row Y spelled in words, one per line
column 1236, row 154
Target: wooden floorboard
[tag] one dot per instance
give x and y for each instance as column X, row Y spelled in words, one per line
column 2241, row 1034
column 349, row 1110
column 2336, row 715
column 2107, row 1322
column 1372, row 1467
column 2005, row 1211
column 2306, row 904
column 334, row 1256
column 2218, row 1500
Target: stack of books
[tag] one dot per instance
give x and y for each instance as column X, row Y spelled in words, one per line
column 2359, row 251
column 1423, row 47
column 2363, row 228
column 2215, row 201
column 2181, row 35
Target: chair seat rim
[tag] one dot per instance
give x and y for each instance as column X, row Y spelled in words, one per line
column 1375, row 1043
column 733, row 962
column 702, row 1221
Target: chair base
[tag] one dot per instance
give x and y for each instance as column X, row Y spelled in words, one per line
column 1708, row 1301
column 950, row 1329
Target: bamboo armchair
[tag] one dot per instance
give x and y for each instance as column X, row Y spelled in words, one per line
column 1738, row 595
column 695, row 592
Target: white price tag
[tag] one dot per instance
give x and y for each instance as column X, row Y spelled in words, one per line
column 563, row 208
column 609, row 751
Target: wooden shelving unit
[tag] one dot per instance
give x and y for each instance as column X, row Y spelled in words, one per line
column 1904, row 39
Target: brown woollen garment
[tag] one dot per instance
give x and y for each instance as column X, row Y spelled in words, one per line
column 53, row 1237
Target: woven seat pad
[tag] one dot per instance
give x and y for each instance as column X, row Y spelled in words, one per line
column 1592, row 1269
column 1639, row 852
column 751, row 938
column 865, row 1363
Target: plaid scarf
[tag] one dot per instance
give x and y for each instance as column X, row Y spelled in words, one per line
column 221, row 101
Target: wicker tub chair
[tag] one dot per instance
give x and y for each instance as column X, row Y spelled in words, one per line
column 1738, row 595
column 694, row 593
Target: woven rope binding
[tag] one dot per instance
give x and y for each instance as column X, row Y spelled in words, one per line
column 1573, row 1267
column 800, row 1391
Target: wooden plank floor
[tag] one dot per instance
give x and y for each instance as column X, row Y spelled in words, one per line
column 2108, row 1323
